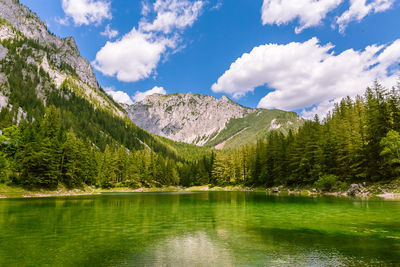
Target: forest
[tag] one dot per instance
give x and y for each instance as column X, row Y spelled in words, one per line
column 68, row 140
column 359, row 141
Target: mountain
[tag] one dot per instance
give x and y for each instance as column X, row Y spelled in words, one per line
column 59, row 128
column 24, row 37
column 39, row 69
column 206, row 121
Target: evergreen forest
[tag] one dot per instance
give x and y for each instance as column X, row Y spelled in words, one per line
column 359, row 141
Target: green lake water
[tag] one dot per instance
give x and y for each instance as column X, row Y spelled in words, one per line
column 199, row 229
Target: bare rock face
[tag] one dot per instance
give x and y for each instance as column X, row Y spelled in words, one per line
column 58, row 57
column 3, row 52
column 27, row 22
column 188, row 118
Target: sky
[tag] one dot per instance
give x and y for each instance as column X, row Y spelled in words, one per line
column 300, row 55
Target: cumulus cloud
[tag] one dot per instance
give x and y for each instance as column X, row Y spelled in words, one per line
column 85, row 12
column 305, row 75
column 308, row 12
column 139, row 96
column 321, row 110
column 109, row 33
column 311, row 12
column 172, row 14
column 119, row 96
column 359, row 9
column 136, row 55
column 133, row 57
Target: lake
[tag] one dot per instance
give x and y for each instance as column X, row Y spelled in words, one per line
column 198, row 229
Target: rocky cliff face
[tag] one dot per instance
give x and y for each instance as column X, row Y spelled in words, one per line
column 27, row 22
column 188, row 118
column 29, row 40
column 205, row 120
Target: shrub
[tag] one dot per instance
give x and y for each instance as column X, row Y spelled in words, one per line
column 328, row 182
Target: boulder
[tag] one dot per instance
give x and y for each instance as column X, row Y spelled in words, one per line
column 354, row 190
column 277, row 189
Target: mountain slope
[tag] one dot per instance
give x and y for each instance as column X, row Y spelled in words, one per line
column 39, row 69
column 59, row 128
column 206, row 121
column 64, row 51
column 254, row 126
column 24, row 38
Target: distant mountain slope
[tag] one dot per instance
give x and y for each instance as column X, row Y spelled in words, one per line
column 206, row 121
column 39, row 69
column 255, row 126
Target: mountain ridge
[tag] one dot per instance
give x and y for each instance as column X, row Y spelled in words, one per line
column 202, row 119
column 39, row 69
column 50, row 68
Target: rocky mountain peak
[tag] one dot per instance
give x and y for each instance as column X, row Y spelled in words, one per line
column 29, row 24
column 206, row 120
column 190, row 118
column 26, row 43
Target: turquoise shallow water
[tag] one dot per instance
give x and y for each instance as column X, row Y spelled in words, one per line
column 199, row 229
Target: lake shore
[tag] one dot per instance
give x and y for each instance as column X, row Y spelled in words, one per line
column 387, row 192
column 20, row 192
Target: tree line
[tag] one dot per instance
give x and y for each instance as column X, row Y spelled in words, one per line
column 357, row 142
column 44, row 154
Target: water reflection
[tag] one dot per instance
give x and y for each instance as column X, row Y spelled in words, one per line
column 191, row 249
column 198, row 229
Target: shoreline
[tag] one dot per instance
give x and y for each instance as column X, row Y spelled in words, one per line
column 13, row 192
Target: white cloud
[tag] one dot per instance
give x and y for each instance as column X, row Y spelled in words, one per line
column 110, row 33
column 217, row 6
column 62, row 21
column 308, row 74
column 311, row 12
column 133, row 57
column 139, row 96
column 321, row 110
column 308, row 12
column 119, row 96
column 171, row 14
column 359, row 9
column 146, row 8
column 85, row 12
column 136, row 55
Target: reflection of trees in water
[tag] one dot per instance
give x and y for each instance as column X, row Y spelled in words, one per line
column 222, row 227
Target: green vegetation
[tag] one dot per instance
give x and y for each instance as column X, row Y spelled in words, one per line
column 186, row 151
column 63, row 138
column 358, row 142
column 74, row 145
column 330, row 182
column 168, row 109
column 55, row 137
column 255, row 126
column 44, row 154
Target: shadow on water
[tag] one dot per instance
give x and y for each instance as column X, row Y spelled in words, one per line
column 366, row 250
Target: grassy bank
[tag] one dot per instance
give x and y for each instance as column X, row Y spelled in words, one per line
column 7, row 191
column 389, row 191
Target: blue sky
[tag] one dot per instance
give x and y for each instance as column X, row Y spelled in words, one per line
column 300, row 55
